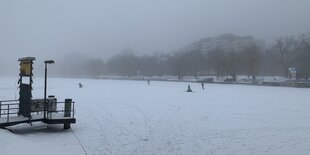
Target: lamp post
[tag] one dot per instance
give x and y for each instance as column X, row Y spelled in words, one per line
column 45, row 83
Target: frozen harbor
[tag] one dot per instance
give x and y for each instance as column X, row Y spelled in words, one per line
column 130, row 117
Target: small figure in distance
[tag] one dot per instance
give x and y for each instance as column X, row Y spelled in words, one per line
column 202, row 85
column 80, row 85
column 148, row 81
column 189, row 88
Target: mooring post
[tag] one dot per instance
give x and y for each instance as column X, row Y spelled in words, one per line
column 68, row 103
column 8, row 117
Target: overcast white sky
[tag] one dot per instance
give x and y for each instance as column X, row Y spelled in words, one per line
column 49, row 28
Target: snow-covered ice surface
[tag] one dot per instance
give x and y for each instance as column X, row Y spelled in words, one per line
column 130, row 117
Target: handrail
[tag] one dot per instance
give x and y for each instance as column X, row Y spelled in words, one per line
column 72, row 110
column 8, row 109
column 8, row 100
column 11, row 109
column 9, row 113
column 8, row 103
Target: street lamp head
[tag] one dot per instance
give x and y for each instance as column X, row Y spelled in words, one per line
column 49, row 61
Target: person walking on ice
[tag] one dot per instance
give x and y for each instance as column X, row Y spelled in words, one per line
column 80, row 85
column 189, row 88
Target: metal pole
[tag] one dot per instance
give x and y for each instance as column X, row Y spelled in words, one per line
column 8, row 117
column 45, row 83
column 68, row 110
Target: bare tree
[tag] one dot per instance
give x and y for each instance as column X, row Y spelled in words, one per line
column 285, row 47
column 250, row 56
column 94, row 67
column 124, row 64
column 303, row 56
column 226, row 61
column 179, row 62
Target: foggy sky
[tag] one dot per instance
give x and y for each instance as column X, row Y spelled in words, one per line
column 51, row 28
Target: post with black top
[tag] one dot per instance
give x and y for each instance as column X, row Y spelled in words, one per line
column 45, row 83
column 68, row 103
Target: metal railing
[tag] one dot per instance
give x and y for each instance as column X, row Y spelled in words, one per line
column 10, row 108
column 60, row 110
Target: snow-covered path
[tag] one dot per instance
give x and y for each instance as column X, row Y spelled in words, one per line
column 130, row 117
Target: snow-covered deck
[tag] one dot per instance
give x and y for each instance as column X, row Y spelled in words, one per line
column 52, row 118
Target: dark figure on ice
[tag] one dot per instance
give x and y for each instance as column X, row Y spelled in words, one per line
column 80, row 85
column 202, row 85
column 148, row 82
column 189, row 88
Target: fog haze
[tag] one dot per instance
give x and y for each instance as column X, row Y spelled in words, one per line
column 50, row 29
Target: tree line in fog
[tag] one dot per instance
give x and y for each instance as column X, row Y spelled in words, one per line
column 224, row 55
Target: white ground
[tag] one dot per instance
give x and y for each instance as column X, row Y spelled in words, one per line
column 130, row 117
